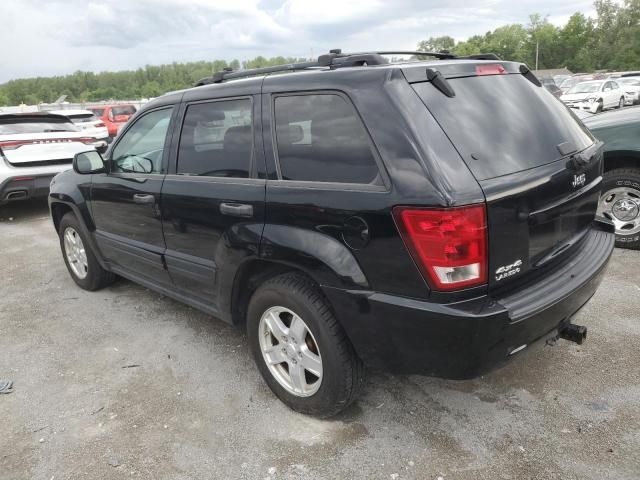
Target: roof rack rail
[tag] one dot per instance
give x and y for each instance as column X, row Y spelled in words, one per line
column 336, row 59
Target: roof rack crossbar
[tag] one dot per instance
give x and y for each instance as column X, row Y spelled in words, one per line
column 336, row 59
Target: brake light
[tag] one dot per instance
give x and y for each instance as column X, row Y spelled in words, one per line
column 492, row 69
column 14, row 144
column 448, row 245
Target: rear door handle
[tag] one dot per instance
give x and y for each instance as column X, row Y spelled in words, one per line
column 144, row 199
column 236, row 209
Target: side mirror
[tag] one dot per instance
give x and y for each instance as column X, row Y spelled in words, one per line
column 88, row 162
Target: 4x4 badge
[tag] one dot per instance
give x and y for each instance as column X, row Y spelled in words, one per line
column 579, row 180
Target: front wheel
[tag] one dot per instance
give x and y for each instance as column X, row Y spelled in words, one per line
column 598, row 107
column 300, row 348
column 621, row 103
column 620, row 203
column 80, row 260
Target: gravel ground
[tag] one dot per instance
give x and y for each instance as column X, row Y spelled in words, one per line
column 125, row 383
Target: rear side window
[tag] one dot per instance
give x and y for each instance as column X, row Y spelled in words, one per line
column 320, row 138
column 216, row 139
column 503, row 124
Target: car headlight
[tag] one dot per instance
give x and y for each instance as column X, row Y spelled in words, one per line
column 591, row 99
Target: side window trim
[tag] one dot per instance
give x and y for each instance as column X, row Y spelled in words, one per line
column 279, row 181
column 167, row 140
column 175, row 148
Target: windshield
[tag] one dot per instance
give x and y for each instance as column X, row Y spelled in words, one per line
column 586, row 87
column 569, row 82
column 628, row 81
column 98, row 112
column 503, row 124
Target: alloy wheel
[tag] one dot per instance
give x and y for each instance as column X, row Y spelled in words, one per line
column 622, row 206
column 290, row 351
column 75, row 253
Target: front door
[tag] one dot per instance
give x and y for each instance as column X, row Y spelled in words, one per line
column 125, row 201
column 212, row 200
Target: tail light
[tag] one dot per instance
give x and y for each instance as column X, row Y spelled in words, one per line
column 14, row 144
column 448, row 245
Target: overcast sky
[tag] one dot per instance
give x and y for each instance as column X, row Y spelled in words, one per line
column 54, row 37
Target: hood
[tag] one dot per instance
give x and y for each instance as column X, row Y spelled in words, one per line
column 577, row 96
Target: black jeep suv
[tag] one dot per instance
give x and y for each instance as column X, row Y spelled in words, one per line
column 431, row 217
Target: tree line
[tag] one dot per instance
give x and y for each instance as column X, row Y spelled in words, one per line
column 610, row 41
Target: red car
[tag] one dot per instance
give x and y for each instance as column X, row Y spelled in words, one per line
column 113, row 116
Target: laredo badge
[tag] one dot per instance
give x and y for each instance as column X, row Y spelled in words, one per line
column 508, row 270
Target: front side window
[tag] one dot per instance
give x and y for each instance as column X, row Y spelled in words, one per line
column 141, row 147
column 216, row 139
column 320, row 138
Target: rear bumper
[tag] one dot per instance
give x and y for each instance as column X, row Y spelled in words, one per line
column 466, row 339
column 21, row 183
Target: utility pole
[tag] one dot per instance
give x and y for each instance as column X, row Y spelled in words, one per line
column 537, row 51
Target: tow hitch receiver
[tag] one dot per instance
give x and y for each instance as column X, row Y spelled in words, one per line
column 574, row 333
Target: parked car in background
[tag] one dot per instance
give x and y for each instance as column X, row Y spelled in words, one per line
column 113, row 116
column 572, row 81
column 550, row 85
column 86, row 122
column 558, row 79
column 341, row 222
column 34, row 147
column 620, row 200
column 631, row 88
column 595, row 96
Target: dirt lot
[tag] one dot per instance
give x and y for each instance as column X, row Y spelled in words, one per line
column 124, row 383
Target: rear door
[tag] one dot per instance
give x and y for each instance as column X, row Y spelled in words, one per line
column 539, row 168
column 212, row 199
column 125, row 201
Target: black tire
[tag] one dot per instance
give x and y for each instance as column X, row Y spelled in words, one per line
column 96, row 276
column 342, row 370
column 600, row 106
column 628, row 178
column 621, row 103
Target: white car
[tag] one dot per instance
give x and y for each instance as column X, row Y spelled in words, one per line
column 595, row 96
column 34, row 147
column 631, row 88
column 86, row 121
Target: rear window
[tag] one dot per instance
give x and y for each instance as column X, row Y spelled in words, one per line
column 14, row 126
column 123, row 110
column 82, row 118
column 503, row 124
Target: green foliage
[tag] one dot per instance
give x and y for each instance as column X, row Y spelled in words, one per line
column 611, row 41
column 150, row 81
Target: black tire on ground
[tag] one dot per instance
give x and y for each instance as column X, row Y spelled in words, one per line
column 342, row 370
column 624, row 178
column 621, row 103
column 97, row 277
column 600, row 107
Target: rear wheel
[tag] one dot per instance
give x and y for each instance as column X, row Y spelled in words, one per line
column 80, row 260
column 620, row 203
column 300, row 348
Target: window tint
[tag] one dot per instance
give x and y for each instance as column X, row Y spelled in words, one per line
column 216, row 140
column 98, row 112
column 503, row 124
column 320, row 138
column 140, row 148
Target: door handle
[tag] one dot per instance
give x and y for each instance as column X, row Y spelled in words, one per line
column 143, row 199
column 236, row 209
